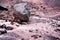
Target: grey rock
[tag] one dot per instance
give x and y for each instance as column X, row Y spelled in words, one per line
column 23, row 12
column 7, row 38
column 23, row 8
column 2, row 31
column 6, row 27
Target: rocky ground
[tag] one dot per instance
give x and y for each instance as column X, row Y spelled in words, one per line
column 29, row 20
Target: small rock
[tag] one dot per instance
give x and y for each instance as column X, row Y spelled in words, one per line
column 57, row 30
column 30, row 30
column 3, row 26
column 35, row 36
column 23, row 8
column 9, row 28
column 2, row 8
column 2, row 31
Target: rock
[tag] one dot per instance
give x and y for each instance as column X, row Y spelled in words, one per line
column 23, row 8
column 6, row 27
column 3, row 26
column 23, row 12
column 35, row 36
column 2, row 31
column 57, row 30
column 2, row 8
column 9, row 28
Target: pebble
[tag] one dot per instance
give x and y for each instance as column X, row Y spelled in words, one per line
column 57, row 30
column 30, row 30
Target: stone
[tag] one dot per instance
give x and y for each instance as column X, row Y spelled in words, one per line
column 6, row 27
column 23, row 12
column 3, row 26
column 9, row 28
column 2, row 31
column 2, row 8
column 35, row 36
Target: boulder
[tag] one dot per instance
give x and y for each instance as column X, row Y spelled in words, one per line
column 23, row 8
column 23, row 12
